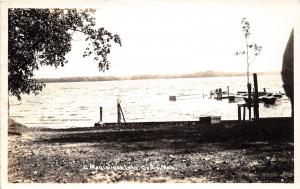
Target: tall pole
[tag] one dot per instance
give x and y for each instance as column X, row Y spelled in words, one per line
column 256, row 105
column 249, row 100
column 246, row 36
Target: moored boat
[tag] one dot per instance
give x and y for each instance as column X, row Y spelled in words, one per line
column 269, row 100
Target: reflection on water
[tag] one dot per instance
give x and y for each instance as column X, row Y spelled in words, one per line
column 77, row 104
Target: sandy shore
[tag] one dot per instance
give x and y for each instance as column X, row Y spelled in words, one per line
column 179, row 153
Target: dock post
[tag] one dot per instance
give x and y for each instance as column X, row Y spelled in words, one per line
column 256, row 105
column 244, row 113
column 239, row 113
column 228, row 91
column 100, row 114
column 219, row 94
column 249, row 100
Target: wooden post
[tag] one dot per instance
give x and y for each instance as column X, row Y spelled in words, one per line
column 100, row 114
column 219, row 94
column 118, row 109
column 256, row 105
column 122, row 114
column 249, row 100
column 249, row 113
column 228, row 91
column 119, row 115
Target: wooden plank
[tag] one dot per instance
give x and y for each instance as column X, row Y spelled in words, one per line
column 122, row 114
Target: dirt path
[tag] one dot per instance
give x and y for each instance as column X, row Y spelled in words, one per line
column 159, row 155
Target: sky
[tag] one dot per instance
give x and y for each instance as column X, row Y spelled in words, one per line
column 167, row 37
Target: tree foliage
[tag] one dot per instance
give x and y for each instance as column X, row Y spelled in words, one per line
column 39, row 37
column 251, row 48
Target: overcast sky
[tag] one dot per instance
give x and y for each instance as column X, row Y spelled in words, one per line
column 184, row 36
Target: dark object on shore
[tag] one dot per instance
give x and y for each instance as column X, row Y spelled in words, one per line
column 99, row 124
column 172, row 98
column 210, row 119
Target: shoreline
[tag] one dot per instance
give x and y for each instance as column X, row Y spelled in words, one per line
column 184, row 153
column 206, row 74
column 167, row 124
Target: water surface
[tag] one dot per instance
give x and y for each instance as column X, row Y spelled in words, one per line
column 76, row 104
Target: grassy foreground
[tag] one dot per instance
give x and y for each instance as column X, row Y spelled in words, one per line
column 174, row 152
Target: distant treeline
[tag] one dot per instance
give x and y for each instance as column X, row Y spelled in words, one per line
column 140, row 77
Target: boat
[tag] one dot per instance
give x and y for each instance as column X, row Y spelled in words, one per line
column 277, row 95
column 266, row 99
column 263, row 97
column 231, row 98
column 269, row 100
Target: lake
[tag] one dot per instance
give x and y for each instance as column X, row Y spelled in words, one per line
column 76, row 104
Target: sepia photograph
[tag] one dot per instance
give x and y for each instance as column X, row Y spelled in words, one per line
column 150, row 92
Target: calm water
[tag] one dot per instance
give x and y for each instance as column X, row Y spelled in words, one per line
column 62, row 105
